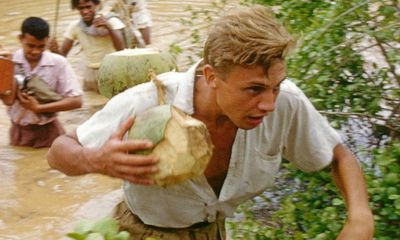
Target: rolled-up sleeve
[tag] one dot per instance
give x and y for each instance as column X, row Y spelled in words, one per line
column 68, row 84
column 310, row 139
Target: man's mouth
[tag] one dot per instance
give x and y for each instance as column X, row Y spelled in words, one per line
column 256, row 120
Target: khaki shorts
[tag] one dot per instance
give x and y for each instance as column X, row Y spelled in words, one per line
column 138, row 230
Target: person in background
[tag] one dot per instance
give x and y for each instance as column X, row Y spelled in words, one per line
column 255, row 116
column 33, row 123
column 141, row 18
column 98, row 35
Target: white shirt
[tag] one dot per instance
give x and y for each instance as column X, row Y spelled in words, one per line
column 94, row 47
column 295, row 131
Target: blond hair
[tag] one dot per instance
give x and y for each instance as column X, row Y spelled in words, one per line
column 247, row 36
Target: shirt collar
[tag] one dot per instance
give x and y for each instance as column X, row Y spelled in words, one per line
column 45, row 60
column 184, row 96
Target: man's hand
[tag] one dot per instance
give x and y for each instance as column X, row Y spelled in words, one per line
column 53, row 46
column 5, row 54
column 28, row 102
column 101, row 21
column 114, row 160
column 358, row 229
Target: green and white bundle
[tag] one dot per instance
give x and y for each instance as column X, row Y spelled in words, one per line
column 126, row 68
column 182, row 143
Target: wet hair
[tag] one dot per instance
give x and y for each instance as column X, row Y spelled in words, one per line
column 75, row 3
column 247, row 36
column 36, row 27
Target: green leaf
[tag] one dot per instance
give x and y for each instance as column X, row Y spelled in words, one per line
column 95, row 236
column 76, row 236
column 124, row 235
column 337, row 202
column 106, row 226
column 83, row 227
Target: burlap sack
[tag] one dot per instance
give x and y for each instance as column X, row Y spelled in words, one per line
column 38, row 88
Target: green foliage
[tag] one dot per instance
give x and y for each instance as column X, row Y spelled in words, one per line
column 103, row 229
column 384, row 181
column 316, row 211
column 313, row 211
column 331, row 63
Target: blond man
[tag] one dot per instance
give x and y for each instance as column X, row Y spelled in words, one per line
column 255, row 116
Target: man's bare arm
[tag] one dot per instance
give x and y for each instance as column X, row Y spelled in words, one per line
column 116, row 35
column 350, row 180
column 118, row 39
column 68, row 156
column 65, row 48
column 65, row 104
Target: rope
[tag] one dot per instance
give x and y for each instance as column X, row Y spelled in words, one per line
column 159, row 85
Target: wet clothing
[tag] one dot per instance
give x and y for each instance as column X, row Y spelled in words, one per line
column 94, row 47
column 139, row 231
column 57, row 73
column 95, row 43
column 141, row 17
column 34, row 135
column 295, row 131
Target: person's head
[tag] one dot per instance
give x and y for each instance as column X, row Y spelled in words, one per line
column 87, row 9
column 34, row 36
column 244, row 63
column 246, row 36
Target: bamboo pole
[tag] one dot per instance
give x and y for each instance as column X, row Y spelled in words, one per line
column 56, row 18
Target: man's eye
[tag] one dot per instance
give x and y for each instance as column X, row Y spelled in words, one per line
column 255, row 89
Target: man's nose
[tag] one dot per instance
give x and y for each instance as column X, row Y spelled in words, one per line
column 36, row 50
column 85, row 10
column 267, row 101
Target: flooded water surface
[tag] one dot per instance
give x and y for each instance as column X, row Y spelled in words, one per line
column 37, row 202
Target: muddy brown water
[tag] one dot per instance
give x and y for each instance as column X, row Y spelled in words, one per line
column 37, row 202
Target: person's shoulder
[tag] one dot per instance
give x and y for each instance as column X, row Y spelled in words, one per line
column 291, row 96
column 288, row 86
column 290, row 90
column 74, row 23
column 172, row 77
column 57, row 58
column 18, row 56
column 169, row 79
column 116, row 23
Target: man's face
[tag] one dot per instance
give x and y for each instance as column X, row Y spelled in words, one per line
column 33, row 48
column 87, row 9
column 248, row 94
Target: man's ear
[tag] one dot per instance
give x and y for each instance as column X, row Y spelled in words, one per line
column 209, row 75
column 20, row 37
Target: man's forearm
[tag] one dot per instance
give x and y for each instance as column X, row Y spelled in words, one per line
column 76, row 162
column 64, row 104
column 117, row 39
column 350, row 180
